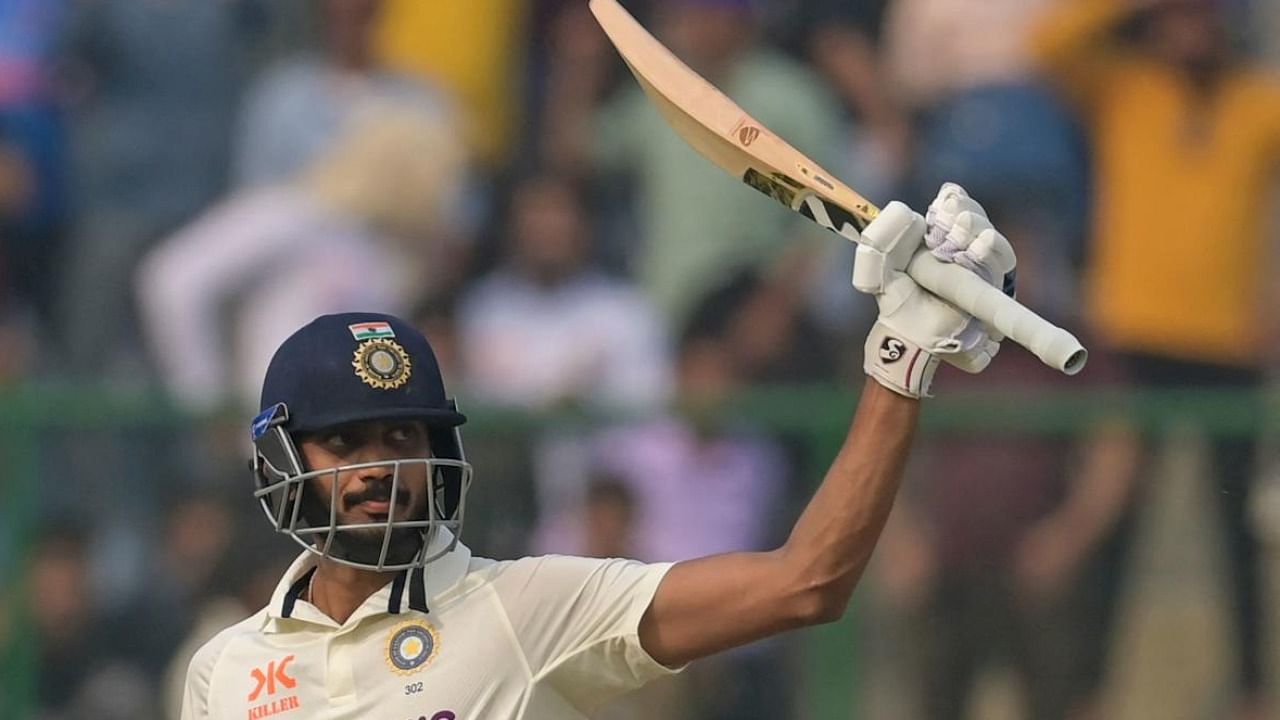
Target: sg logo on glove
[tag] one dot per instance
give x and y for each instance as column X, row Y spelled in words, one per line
column 892, row 349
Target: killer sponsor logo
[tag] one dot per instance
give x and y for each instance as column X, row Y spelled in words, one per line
column 272, row 679
column 275, row 707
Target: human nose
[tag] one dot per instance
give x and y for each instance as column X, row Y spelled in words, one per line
column 377, row 458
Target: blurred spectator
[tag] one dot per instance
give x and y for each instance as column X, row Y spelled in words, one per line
column 687, row 485
column 696, row 226
column 368, row 226
column 608, row 516
column 770, row 334
column 1265, row 20
column 472, row 49
column 984, row 119
column 79, row 673
column 299, row 108
column 155, row 87
column 841, row 38
column 546, row 329
column 1182, row 275
column 33, row 203
column 197, row 532
column 997, row 551
column 435, row 317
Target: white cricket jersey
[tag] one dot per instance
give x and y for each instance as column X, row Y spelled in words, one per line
column 468, row 639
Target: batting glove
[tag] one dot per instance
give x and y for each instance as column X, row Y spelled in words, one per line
column 916, row 329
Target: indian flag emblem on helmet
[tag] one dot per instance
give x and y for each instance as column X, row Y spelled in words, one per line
column 412, row 646
column 382, row 364
column 371, row 330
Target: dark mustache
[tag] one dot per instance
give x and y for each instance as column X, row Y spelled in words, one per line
column 376, row 491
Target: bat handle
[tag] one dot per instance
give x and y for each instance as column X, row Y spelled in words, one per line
column 1056, row 347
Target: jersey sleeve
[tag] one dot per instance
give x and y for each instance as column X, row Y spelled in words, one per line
column 577, row 622
column 195, row 689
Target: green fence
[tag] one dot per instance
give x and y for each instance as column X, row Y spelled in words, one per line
column 814, row 418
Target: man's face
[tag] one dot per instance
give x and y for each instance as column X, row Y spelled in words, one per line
column 364, row 495
column 1189, row 33
column 705, row 35
column 549, row 231
column 349, row 25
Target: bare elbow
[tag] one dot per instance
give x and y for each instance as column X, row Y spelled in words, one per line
column 821, row 604
column 816, row 596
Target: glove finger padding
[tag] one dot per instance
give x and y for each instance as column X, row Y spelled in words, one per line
column 977, row 359
column 945, row 211
column 887, row 246
column 988, row 254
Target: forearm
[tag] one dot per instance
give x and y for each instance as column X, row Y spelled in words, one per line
column 849, row 62
column 711, row 604
column 831, row 543
column 1105, row 484
column 1072, row 42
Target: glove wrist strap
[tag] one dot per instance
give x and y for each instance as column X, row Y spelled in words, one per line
column 897, row 363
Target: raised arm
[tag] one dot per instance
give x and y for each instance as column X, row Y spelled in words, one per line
column 715, row 603
column 711, row 604
column 1074, row 43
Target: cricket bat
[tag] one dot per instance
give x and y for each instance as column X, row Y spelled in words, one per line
column 723, row 132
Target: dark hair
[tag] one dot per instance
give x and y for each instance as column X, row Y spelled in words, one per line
column 715, row 312
column 604, row 488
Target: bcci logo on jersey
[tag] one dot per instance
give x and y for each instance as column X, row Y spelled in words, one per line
column 413, row 645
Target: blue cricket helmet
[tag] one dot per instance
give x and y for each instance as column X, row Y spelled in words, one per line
column 348, row 368
column 357, row 366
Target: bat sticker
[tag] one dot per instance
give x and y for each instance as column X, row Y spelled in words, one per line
column 833, row 217
column 770, row 186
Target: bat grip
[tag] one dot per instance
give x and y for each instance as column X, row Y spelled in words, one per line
column 1056, row 347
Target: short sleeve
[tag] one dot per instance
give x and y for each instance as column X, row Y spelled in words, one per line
column 577, row 621
column 195, row 690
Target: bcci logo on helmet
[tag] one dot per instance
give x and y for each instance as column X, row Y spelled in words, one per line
column 382, row 364
column 892, row 350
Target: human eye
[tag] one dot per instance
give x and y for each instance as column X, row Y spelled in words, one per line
column 338, row 441
column 405, row 434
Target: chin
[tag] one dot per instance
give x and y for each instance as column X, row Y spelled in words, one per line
column 365, row 546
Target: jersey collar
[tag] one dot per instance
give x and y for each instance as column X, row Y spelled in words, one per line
column 407, row 591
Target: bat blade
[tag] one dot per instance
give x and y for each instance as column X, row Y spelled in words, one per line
column 725, row 134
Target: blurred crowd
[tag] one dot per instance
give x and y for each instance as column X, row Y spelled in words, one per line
column 184, row 182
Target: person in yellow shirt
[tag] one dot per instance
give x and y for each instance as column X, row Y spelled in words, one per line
column 471, row 48
column 1186, row 143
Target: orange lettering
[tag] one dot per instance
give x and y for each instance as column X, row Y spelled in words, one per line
column 275, row 673
column 261, row 681
column 280, row 674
